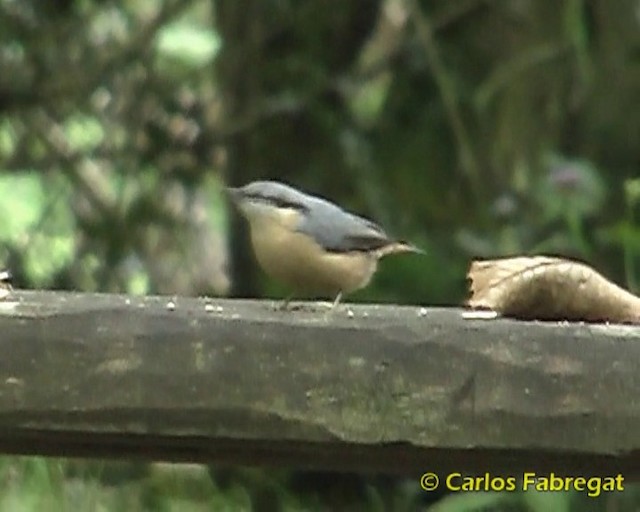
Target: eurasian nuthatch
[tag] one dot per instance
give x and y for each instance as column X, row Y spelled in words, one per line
column 5, row 283
column 310, row 244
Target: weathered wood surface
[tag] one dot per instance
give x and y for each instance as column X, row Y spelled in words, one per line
column 384, row 388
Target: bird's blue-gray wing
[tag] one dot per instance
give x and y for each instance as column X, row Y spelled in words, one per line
column 339, row 231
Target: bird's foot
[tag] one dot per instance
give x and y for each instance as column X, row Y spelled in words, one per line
column 329, row 306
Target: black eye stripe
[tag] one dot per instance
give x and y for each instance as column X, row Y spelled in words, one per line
column 277, row 201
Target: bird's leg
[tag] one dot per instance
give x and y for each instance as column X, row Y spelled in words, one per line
column 331, row 306
column 286, row 303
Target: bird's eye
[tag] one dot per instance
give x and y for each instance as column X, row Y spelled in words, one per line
column 259, row 198
column 275, row 201
column 283, row 203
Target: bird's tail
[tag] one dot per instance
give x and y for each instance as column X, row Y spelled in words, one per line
column 397, row 248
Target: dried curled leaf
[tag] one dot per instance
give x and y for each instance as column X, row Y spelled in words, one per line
column 545, row 288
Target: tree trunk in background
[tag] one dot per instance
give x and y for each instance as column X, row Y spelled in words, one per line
column 240, row 26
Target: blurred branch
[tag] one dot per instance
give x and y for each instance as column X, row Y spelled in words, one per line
column 456, row 12
column 345, row 82
column 142, row 39
column 444, row 83
column 86, row 177
column 76, row 80
column 523, row 62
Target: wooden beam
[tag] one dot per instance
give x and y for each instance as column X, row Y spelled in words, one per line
column 380, row 388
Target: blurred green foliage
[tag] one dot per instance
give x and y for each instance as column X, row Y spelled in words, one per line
column 30, row 483
column 474, row 128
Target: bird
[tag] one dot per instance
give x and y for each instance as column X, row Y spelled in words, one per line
column 5, row 284
column 310, row 244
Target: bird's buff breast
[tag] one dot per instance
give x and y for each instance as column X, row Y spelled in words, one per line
column 297, row 261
